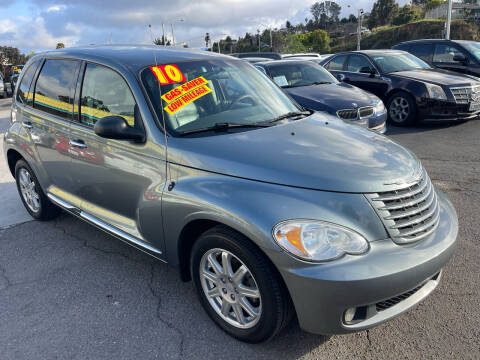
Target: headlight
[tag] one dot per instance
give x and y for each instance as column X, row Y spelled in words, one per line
column 380, row 107
column 435, row 92
column 317, row 240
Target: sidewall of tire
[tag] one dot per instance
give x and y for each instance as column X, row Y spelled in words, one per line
column 411, row 119
column 47, row 209
column 268, row 324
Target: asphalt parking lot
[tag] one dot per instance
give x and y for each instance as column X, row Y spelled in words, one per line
column 70, row 291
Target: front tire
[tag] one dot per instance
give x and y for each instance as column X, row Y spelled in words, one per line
column 238, row 287
column 401, row 109
column 32, row 195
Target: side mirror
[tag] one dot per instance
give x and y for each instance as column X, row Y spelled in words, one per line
column 367, row 70
column 115, row 127
column 459, row 58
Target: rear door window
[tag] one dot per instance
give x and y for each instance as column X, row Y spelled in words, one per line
column 445, row 53
column 54, row 90
column 422, row 51
column 336, row 63
column 358, row 62
column 105, row 93
column 23, row 93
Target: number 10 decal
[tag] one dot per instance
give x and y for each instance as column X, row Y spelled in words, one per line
column 168, row 74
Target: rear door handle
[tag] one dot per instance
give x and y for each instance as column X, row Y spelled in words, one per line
column 78, row 144
column 27, row 124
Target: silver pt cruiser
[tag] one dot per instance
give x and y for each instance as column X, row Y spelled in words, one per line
column 201, row 161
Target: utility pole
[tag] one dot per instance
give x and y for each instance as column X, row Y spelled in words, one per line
column 271, row 42
column 449, row 20
column 258, row 34
column 173, row 36
column 359, row 28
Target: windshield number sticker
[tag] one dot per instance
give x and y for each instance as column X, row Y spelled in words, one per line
column 168, row 74
column 187, row 98
column 174, row 94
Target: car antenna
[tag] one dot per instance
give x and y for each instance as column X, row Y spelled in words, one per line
column 167, row 164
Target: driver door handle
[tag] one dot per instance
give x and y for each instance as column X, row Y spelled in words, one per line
column 27, row 124
column 78, row 144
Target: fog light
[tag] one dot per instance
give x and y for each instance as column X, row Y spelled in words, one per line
column 349, row 315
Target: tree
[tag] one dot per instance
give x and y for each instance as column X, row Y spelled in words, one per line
column 292, row 44
column 289, row 26
column 382, row 13
column 11, row 55
column 60, row 45
column 419, row 2
column 405, row 15
column 316, row 41
column 161, row 41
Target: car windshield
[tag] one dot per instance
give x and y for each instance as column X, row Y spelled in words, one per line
column 473, row 48
column 389, row 63
column 300, row 74
column 202, row 94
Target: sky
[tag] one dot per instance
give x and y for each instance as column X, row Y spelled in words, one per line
column 40, row 24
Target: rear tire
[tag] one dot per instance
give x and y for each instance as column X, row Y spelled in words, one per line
column 263, row 313
column 402, row 110
column 34, row 199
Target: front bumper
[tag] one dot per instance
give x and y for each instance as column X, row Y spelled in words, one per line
column 443, row 110
column 322, row 293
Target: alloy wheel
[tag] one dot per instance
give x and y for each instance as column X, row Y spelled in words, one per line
column 399, row 109
column 230, row 288
column 27, row 188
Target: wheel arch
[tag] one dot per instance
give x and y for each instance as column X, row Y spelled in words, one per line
column 12, row 157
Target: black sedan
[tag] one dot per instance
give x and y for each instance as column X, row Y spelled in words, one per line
column 316, row 89
column 410, row 88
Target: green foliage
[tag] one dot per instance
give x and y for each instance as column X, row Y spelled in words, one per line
column 387, row 36
column 11, row 55
column 60, row 45
column 316, row 41
column 292, row 44
column 405, row 15
column 383, row 12
column 432, row 4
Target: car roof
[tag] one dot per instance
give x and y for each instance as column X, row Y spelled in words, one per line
column 274, row 63
column 134, row 57
column 372, row 52
column 420, row 41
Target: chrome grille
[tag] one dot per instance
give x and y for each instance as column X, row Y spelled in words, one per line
column 463, row 95
column 365, row 111
column 410, row 213
column 347, row 114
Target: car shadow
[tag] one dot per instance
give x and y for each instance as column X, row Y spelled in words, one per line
column 108, row 276
column 419, row 128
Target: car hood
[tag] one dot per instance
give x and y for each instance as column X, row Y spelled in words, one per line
column 318, row 152
column 434, row 76
column 330, row 97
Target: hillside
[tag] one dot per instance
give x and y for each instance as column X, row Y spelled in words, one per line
column 386, row 37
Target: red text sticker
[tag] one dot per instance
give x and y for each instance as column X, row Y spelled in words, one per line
column 168, row 74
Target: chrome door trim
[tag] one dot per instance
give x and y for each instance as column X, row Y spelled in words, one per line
column 61, row 203
column 119, row 234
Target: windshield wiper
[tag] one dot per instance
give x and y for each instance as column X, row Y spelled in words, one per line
column 291, row 114
column 223, row 127
column 321, row 82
